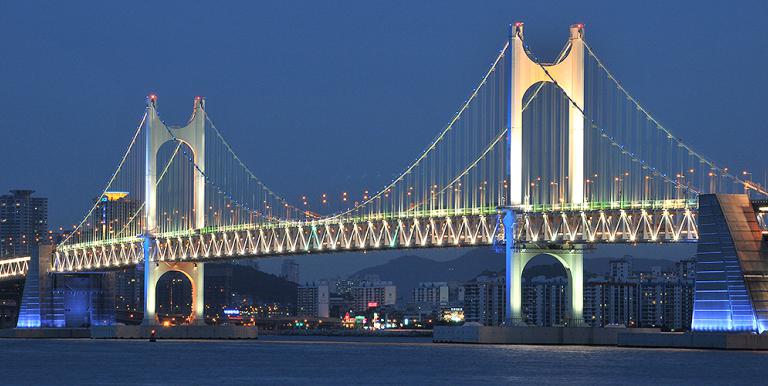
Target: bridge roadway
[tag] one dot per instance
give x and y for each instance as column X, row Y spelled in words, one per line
column 423, row 230
column 14, row 268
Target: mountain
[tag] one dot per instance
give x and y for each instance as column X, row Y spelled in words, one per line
column 599, row 265
column 248, row 281
column 407, row 271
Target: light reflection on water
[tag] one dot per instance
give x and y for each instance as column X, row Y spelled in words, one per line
column 283, row 360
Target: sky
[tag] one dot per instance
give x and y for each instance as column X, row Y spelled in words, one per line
column 341, row 96
column 331, row 96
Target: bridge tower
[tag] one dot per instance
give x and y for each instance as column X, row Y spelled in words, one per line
column 193, row 135
column 569, row 74
column 523, row 74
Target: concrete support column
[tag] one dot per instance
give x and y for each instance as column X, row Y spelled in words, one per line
column 575, row 268
column 193, row 135
column 198, row 293
column 513, row 271
column 572, row 261
column 193, row 271
column 150, row 281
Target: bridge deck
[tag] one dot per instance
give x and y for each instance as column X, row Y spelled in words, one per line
column 596, row 226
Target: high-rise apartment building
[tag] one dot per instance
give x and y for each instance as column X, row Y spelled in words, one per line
column 373, row 294
column 23, row 222
column 313, row 300
column 485, row 300
column 431, row 295
column 290, row 271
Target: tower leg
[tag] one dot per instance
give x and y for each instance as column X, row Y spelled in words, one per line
column 514, row 288
column 193, row 271
column 514, row 272
column 198, row 293
column 150, row 283
column 576, row 287
column 576, row 119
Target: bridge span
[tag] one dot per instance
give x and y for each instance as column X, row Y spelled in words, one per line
column 429, row 231
column 542, row 157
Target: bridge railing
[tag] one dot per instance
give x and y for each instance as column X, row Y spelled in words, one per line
column 614, row 205
column 15, row 267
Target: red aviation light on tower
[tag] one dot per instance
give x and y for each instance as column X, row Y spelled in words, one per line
column 516, row 29
column 577, row 31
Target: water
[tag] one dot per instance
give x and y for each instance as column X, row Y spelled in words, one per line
column 286, row 360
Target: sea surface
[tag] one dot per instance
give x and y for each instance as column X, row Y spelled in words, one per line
column 362, row 361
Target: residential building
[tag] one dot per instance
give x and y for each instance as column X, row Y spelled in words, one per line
column 290, row 270
column 373, row 294
column 431, row 295
column 23, row 222
column 545, row 301
column 484, row 299
column 657, row 298
column 313, row 300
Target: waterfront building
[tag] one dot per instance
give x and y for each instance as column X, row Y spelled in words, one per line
column 431, row 296
column 313, row 300
column 129, row 290
column 290, row 270
column 23, row 222
column 618, row 270
column 373, row 294
column 686, row 269
column 484, row 299
column 657, row 299
column 218, row 289
column 610, row 303
column 545, row 301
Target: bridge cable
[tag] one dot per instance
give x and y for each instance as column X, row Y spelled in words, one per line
column 593, row 125
column 432, row 146
column 111, row 180
column 669, row 133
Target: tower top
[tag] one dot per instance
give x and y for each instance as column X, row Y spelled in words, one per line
column 516, row 29
column 577, row 31
column 199, row 102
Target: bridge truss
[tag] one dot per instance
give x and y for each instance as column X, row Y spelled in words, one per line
column 507, row 146
column 14, row 268
column 433, row 231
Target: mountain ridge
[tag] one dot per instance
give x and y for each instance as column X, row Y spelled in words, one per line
column 474, row 262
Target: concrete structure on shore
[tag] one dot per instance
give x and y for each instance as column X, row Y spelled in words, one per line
column 135, row 332
column 175, row 332
column 731, row 291
column 622, row 337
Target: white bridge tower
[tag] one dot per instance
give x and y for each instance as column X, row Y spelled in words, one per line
column 569, row 75
column 523, row 74
column 193, row 135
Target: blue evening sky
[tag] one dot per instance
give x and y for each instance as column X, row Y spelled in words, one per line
column 328, row 95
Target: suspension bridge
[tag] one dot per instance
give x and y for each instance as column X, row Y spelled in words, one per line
column 540, row 158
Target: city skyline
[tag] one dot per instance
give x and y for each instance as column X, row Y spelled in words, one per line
column 256, row 98
column 386, row 192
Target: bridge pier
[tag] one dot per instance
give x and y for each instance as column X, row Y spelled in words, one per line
column 152, row 274
column 517, row 257
column 157, row 133
column 572, row 261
